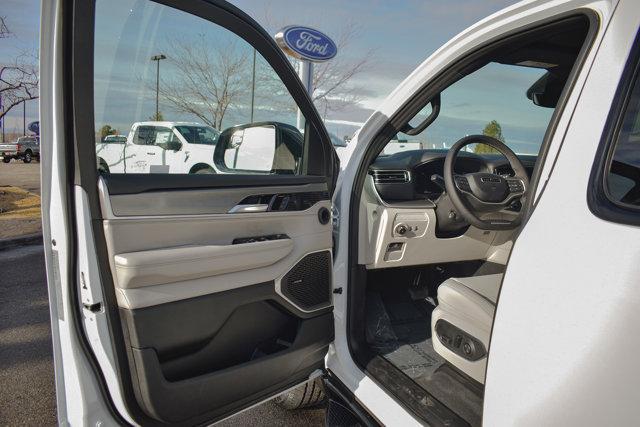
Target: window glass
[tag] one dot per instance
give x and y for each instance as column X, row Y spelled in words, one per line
column 491, row 100
column 198, row 134
column 144, row 135
column 623, row 175
column 167, row 84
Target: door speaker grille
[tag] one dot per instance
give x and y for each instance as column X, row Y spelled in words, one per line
column 308, row 284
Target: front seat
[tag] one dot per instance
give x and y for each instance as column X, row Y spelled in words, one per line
column 461, row 323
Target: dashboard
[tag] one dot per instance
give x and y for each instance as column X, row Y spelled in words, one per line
column 407, row 175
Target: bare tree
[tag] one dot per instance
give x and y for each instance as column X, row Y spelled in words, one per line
column 18, row 80
column 18, row 83
column 4, row 30
column 208, row 79
column 333, row 87
column 333, row 81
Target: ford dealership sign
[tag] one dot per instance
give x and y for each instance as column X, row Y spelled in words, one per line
column 306, row 43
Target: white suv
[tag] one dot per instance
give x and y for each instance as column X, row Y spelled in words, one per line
column 494, row 282
column 159, row 147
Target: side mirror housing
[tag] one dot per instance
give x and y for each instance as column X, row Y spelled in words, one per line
column 172, row 145
column 259, row 148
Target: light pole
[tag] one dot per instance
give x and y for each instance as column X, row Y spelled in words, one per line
column 305, row 73
column 2, row 108
column 253, row 84
column 157, row 58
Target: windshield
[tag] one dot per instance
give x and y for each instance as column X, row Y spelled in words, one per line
column 490, row 101
column 199, row 134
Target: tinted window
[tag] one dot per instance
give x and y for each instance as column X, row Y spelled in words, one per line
column 144, row 135
column 162, row 73
column 199, row 134
column 623, row 174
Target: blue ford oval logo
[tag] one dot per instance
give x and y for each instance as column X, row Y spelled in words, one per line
column 306, row 43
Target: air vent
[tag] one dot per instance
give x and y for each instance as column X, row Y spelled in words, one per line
column 390, row 177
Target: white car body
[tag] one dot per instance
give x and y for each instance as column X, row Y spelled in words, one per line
column 565, row 338
column 395, row 146
column 129, row 157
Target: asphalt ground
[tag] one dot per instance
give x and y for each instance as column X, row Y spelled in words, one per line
column 27, row 393
column 27, row 390
column 19, row 174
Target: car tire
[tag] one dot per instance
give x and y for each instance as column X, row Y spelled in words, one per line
column 6, row 159
column 103, row 167
column 205, row 171
column 307, row 395
column 27, row 157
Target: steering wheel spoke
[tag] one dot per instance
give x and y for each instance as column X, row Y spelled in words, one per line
column 476, row 194
column 462, row 183
column 516, row 186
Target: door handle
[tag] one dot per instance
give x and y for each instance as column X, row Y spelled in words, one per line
column 249, row 208
column 151, row 154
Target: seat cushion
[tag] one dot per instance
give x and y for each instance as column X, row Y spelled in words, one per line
column 488, row 286
column 468, row 303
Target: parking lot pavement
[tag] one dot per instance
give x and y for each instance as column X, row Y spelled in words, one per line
column 19, row 174
column 27, row 394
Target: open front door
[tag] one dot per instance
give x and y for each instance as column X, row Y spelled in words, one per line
column 191, row 294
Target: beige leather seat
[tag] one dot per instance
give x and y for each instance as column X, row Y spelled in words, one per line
column 461, row 323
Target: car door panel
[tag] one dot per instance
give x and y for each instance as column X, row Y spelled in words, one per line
column 174, row 264
column 221, row 350
column 207, row 312
column 203, row 307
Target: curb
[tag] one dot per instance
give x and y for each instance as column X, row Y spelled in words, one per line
column 29, row 239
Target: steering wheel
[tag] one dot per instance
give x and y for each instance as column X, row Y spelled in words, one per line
column 473, row 194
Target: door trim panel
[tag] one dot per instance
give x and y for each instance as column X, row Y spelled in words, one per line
column 136, row 183
column 158, row 343
column 158, row 266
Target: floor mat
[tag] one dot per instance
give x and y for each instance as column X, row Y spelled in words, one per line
column 399, row 329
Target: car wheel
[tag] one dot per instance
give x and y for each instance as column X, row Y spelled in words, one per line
column 27, row 157
column 306, row 395
column 6, row 159
column 103, row 167
column 206, row 171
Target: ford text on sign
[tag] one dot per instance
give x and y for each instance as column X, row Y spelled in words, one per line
column 306, row 43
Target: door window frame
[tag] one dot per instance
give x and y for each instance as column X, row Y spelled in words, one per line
column 600, row 202
column 368, row 362
column 79, row 123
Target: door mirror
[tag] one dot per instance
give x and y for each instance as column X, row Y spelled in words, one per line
column 264, row 147
column 172, row 145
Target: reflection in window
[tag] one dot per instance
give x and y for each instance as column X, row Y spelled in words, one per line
column 491, row 101
column 623, row 178
column 167, row 83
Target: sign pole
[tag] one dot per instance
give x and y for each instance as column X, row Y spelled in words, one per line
column 308, row 45
column 306, row 75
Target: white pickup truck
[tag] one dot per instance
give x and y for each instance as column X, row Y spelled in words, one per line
column 159, row 147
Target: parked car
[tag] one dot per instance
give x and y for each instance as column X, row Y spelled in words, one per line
column 159, row 147
column 26, row 148
column 399, row 144
column 341, row 147
column 114, row 139
column 425, row 287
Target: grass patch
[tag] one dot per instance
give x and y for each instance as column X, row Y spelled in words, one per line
column 16, row 203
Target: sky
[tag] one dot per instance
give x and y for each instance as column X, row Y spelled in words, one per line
column 23, row 19
column 397, row 36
